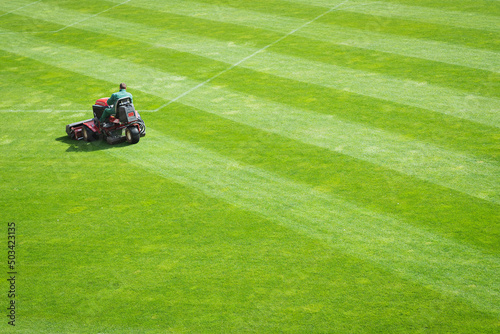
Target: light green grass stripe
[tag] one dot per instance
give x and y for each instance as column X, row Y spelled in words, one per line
column 44, row 11
column 432, row 3
column 448, row 101
column 406, row 46
column 14, row 6
column 93, row 64
column 425, row 14
column 416, row 12
column 411, row 47
column 456, row 171
column 35, row 97
column 47, row 12
column 445, row 168
column 443, row 265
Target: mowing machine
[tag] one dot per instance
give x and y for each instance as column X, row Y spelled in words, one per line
column 125, row 117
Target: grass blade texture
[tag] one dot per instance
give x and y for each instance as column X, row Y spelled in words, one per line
column 310, row 166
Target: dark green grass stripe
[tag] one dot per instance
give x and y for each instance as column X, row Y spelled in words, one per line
column 446, row 75
column 487, row 7
column 416, row 13
column 143, row 54
column 84, row 7
column 66, row 89
column 445, row 211
column 220, row 30
column 19, row 23
column 473, row 38
column 275, row 7
column 61, row 85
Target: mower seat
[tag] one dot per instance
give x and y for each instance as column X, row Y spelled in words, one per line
column 124, row 110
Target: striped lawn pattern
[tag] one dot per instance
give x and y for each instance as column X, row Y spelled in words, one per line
column 364, row 132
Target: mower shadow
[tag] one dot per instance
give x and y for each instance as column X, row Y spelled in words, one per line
column 83, row 146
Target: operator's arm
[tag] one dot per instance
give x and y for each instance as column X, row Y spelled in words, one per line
column 112, row 100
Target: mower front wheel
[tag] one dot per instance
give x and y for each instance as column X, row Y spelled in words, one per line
column 88, row 135
column 133, row 135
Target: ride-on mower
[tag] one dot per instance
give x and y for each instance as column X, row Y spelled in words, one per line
column 125, row 117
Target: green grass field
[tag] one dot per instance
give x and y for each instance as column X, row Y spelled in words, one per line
column 310, row 166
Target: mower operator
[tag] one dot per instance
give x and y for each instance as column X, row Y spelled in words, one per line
column 112, row 100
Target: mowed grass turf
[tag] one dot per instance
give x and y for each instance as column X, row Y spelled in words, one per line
column 309, row 166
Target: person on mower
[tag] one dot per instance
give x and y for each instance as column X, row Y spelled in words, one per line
column 112, row 100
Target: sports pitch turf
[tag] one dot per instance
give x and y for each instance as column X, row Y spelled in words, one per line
column 310, row 166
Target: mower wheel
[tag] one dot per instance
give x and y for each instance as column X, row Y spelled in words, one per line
column 142, row 127
column 133, row 135
column 88, row 135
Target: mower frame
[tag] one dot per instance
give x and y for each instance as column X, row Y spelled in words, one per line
column 125, row 117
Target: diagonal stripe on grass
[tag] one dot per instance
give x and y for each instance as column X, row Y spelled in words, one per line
column 43, row 11
column 378, row 8
column 224, row 48
column 411, row 47
column 91, row 16
column 424, row 14
column 456, row 269
column 445, row 168
column 159, row 83
column 17, row 6
column 418, row 94
column 421, row 95
column 456, row 171
column 47, row 87
column 487, row 7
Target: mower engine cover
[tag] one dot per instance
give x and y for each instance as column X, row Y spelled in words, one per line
column 126, row 113
column 102, row 102
column 99, row 106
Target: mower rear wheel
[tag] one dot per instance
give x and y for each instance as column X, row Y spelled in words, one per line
column 133, row 135
column 142, row 127
column 88, row 135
